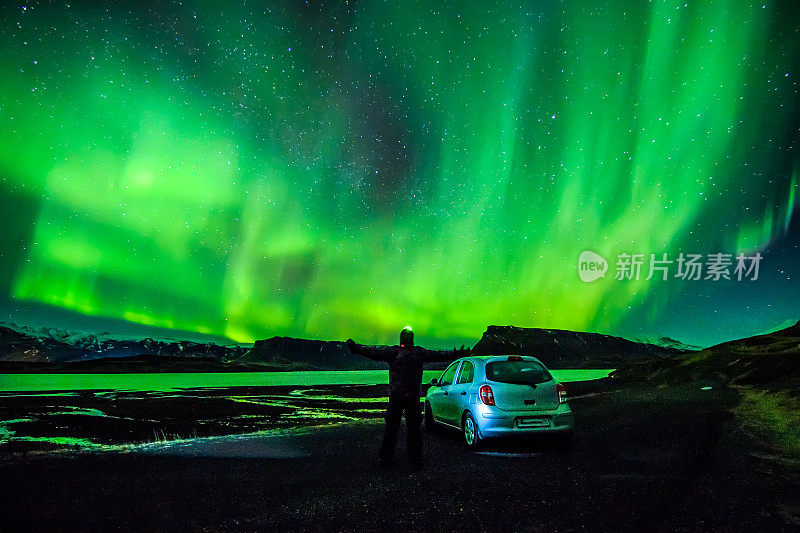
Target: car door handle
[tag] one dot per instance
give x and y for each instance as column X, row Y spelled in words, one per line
column 463, row 393
column 445, row 393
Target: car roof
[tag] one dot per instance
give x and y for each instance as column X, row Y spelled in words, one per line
column 488, row 358
column 499, row 355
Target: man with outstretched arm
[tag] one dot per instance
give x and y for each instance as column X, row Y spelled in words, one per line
column 405, row 379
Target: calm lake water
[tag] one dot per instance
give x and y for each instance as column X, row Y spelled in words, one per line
column 171, row 381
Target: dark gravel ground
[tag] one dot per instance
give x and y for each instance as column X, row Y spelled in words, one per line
column 666, row 459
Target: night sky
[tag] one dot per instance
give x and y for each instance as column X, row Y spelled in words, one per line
column 343, row 169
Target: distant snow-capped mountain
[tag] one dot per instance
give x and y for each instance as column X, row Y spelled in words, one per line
column 30, row 344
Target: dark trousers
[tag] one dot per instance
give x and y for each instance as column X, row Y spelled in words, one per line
column 394, row 413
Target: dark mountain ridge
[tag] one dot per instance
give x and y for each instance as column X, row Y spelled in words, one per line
column 56, row 350
column 558, row 348
column 768, row 359
column 313, row 354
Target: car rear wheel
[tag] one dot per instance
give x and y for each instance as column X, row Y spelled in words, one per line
column 472, row 436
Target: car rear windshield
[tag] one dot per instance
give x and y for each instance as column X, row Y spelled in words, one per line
column 521, row 372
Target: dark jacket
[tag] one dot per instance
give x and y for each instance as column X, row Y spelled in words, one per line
column 405, row 364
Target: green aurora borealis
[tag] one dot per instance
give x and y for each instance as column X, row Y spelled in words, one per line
column 342, row 170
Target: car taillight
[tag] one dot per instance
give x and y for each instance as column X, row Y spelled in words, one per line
column 562, row 393
column 487, row 396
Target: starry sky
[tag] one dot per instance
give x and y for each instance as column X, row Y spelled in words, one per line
column 343, row 169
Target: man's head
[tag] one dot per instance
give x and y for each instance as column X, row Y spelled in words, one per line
column 406, row 337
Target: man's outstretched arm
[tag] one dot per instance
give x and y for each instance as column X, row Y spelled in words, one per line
column 373, row 352
column 430, row 356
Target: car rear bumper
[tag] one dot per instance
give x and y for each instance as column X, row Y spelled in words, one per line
column 493, row 422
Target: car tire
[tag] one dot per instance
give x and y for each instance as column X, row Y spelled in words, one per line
column 430, row 423
column 469, row 429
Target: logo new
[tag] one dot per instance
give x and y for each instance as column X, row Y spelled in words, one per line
column 591, row 266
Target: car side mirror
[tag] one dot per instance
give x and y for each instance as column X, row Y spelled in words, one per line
column 435, row 382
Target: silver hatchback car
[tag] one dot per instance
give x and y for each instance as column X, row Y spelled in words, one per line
column 494, row 396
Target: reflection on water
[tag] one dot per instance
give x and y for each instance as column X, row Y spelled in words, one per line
column 102, row 410
column 193, row 380
column 109, row 418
